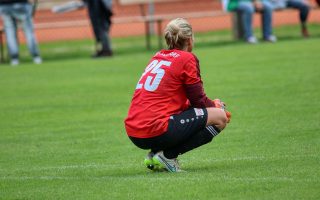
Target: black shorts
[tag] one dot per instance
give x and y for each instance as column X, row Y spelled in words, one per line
column 181, row 127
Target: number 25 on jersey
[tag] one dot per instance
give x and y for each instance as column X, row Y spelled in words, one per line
column 152, row 75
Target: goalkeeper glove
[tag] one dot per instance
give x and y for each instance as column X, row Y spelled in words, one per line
column 228, row 114
column 220, row 104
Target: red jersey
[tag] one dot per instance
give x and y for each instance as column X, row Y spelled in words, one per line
column 160, row 92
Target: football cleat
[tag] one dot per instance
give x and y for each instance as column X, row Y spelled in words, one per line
column 161, row 162
column 148, row 161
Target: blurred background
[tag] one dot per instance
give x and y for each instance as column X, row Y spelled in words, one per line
column 217, row 27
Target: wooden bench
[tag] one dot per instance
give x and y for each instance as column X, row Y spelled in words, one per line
column 150, row 18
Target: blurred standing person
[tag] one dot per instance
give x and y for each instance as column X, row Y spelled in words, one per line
column 13, row 12
column 247, row 8
column 303, row 7
column 100, row 12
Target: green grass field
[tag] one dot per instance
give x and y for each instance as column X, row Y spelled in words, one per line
column 62, row 134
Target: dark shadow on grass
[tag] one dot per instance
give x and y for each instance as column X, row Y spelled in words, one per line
column 134, row 46
column 128, row 51
column 296, row 37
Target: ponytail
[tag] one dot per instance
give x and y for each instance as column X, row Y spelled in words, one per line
column 177, row 32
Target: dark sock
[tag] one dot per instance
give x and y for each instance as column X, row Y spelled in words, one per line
column 202, row 137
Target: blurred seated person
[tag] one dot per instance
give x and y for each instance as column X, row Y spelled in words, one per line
column 13, row 12
column 246, row 9
column 303, row 7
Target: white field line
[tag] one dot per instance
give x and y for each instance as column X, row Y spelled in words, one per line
column 126, row 165
column 146, row 178
column 263, row 157
column 71, row 167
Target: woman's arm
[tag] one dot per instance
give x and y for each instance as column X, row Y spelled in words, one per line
column 197, row 97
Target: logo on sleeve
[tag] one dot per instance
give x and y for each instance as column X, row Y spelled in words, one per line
column 198, row 111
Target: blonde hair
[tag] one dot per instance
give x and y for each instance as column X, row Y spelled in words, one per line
column 177, row 32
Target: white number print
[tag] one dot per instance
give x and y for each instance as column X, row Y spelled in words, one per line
column 155, row 74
